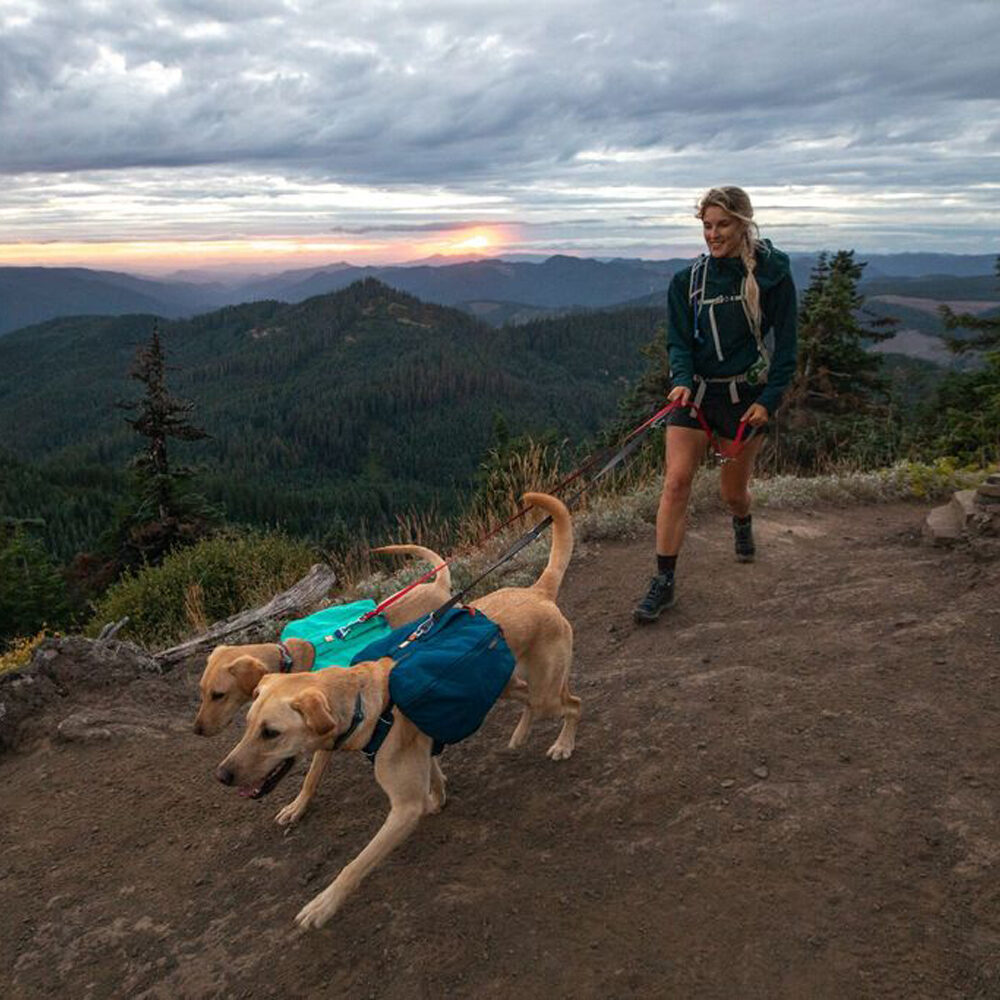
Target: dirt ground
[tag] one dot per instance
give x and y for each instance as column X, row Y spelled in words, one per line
column 784, row 789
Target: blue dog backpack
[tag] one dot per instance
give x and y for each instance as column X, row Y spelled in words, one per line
column 336, row 634
column 447, row 679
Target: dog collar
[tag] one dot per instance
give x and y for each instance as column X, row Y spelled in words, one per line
column 287, row 660
column 359, row 717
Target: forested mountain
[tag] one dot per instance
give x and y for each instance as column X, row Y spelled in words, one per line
column 498, row 290
column 342, row 409
column 556, row 282
column 34, row 294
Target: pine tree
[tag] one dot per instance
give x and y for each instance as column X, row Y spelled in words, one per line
column 161, row 512
column 838, row 407
column 836, row 371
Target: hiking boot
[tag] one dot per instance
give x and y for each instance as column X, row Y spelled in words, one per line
column 659, row 597
column 743, row 537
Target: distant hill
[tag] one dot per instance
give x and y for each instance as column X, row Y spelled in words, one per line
column 916, row 265
column 34, row 294
column 498, row 289
column 556, row 282
column 341, row 410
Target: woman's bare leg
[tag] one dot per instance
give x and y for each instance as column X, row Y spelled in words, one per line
column 734, row 484
column 734, row 477
column 685, row 448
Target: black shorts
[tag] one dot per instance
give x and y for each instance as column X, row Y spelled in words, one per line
column 720, row 412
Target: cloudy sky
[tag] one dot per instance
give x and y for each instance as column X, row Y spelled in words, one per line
column 162, row 134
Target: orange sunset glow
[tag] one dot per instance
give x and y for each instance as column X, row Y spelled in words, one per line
column 291, row 251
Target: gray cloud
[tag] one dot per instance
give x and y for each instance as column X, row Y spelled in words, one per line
column 546, row 106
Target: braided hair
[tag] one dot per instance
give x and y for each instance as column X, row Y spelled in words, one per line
column 736, row 202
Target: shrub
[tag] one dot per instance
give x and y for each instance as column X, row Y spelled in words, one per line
column 204, row 583
column 19, row 651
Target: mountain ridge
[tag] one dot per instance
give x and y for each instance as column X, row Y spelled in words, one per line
column 32, row 295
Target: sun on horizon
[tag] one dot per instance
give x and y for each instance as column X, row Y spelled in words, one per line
column 262, row 251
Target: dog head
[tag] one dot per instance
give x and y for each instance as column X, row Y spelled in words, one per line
column 291, row 715
column 231, row 675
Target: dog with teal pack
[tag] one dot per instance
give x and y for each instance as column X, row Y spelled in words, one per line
column 517, row 635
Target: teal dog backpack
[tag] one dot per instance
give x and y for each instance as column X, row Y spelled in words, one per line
column 336, row 633
column 446, row 679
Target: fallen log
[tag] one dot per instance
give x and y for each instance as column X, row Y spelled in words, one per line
column 259, row 624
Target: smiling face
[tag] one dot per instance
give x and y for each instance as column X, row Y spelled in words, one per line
column 723, row 232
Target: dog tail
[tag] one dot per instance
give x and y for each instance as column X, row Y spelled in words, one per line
column 562, row 543
column 429, row 555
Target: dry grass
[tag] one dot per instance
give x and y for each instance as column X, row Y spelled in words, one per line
column 622, row 515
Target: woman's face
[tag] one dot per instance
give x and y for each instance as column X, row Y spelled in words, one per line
column 722, row 232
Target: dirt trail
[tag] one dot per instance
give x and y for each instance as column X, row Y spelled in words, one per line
column 785, row 789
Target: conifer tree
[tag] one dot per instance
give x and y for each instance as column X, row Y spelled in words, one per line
column 162, row 511
column 836, row 371
column 838, row 407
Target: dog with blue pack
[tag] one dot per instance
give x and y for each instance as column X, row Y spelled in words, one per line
column 330, row 637
column 413, row 692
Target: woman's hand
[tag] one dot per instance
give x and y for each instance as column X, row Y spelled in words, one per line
column 756, row 415
column 681, row 392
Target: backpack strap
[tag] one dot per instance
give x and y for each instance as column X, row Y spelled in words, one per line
column 696, row 295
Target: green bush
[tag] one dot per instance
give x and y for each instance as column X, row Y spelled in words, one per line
column 202, row 584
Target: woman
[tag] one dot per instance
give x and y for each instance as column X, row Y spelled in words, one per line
column 731, row 340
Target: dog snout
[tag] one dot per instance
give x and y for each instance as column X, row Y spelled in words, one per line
column 224, row 774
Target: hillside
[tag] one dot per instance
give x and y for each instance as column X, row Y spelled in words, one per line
column 556, row 282
column 511, row 288
column 323, row 414
column 31, row 295
column 786, row 789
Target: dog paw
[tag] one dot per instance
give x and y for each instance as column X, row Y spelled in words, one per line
column 315, row 913
column 559, row 751
column 291, row 813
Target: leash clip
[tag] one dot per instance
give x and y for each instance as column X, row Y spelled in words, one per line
column 422, row 629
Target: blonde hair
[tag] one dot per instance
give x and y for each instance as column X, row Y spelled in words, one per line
column 736, row 202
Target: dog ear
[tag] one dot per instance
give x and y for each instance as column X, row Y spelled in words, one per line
column 315, row 709
column 247, row 672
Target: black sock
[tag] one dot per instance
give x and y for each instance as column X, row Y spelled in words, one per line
column 742, row 520
column 665, row 564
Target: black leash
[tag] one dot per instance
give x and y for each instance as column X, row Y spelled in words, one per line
column 632, row 442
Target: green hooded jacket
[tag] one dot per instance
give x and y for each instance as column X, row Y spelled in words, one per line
column 728, row 347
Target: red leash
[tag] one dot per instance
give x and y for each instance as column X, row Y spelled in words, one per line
column 727, row 454
column 732, row 451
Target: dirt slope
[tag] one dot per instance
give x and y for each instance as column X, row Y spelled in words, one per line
column 785, row 789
